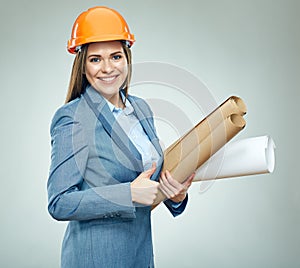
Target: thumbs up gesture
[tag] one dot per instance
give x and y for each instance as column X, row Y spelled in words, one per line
column 143, row 189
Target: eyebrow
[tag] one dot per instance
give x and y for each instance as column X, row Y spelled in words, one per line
column 112, row 54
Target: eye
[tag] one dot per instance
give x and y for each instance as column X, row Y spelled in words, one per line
column 94, row 59
column 116, row 57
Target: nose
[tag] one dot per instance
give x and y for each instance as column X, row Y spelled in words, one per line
column 106, row 66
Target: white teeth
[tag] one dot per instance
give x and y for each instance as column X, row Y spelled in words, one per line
column 107, row 79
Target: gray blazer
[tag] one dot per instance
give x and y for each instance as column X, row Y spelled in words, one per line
column 92, row 164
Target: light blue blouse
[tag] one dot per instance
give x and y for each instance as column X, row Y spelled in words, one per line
column 132, row 127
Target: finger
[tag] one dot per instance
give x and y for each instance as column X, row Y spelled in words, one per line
column 189, row 181
column 162, row 176
column 167, row 181
column 172, row 186
column 173, row 183
column 162, row 189
column 153, row 165
column 191, row 178
column 165, row 186
column 153, row 168
column 150, row 171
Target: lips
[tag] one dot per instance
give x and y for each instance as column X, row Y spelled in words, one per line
column 108, row 78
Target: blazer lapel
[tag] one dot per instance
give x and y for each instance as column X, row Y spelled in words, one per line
column 143, row 114
column 144, row 118
column 100, row 108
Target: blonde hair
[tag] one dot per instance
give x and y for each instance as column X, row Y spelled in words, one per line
column 78, row 81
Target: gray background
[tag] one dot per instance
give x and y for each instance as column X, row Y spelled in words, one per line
column 244, row 48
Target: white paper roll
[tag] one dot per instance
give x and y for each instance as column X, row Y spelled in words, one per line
column 240, row 158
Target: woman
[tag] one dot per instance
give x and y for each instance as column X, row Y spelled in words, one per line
column 106, row 160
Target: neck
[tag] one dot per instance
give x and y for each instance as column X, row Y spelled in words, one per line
column 117, row 101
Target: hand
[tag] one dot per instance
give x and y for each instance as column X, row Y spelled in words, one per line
column 143, row 189
column 173, row 189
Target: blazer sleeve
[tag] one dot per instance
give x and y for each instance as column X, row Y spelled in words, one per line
column 176, row 208
column 67, row 199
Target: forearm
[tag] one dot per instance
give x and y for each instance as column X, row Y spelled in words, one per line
column 94, row 203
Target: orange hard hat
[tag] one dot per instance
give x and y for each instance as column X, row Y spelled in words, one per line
column 99, row 24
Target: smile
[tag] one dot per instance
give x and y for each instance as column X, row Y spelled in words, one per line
column 108, row 79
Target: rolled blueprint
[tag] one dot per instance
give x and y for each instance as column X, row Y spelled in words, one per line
column 244, row 157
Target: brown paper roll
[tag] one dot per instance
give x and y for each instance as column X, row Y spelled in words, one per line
column 202, row 151
column 211, row 144
column 183, row 146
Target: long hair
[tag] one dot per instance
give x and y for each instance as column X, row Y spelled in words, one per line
column 78, row 81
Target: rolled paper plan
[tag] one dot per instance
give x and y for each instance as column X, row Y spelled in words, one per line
column 187, row 143
column 244, row 157
column 207, row 147
column 189, row 152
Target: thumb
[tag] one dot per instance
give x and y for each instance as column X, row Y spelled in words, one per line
column 150, row 171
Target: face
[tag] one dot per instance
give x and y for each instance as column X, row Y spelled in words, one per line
column 106, row 68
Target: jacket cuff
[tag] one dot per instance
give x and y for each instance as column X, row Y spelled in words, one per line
column 176, row 208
